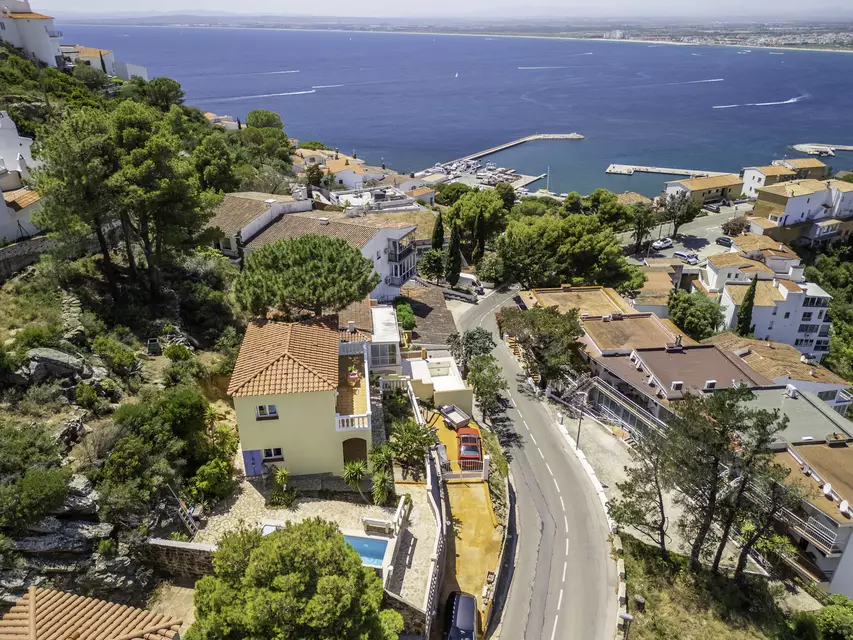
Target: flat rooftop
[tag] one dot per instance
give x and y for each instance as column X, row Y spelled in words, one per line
column 637, row 331
column 594, row 301
column 441, row 372
column 833, row 464
column 809, row 419
column 385, row 327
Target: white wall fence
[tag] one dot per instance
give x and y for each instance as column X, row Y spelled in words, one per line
column 398, row 526
column 435, row 487
column 388, row 384
column 465, row 469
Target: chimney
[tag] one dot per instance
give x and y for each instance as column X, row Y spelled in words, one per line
column 678, row 340
column 351, row 326
column 323, row 221
column 269, row 203
column 424, row 353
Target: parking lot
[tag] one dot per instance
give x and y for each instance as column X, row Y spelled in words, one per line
column 695, row 237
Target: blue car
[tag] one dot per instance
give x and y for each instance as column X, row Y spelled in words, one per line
column 460, row 617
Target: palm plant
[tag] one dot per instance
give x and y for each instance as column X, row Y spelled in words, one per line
column 383, row 487
column 354, row 473
column 282, row 476
column 410, row 443
column 382, row 458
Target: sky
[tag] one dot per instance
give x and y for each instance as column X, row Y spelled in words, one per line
column 722, row 9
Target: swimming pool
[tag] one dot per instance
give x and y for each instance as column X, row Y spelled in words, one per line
column 371, row 550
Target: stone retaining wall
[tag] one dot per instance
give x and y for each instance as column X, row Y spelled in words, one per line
column 22, row 254
column 414, row 620
column 180, row 559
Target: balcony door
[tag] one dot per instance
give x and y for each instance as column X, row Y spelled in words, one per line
column 355, row 449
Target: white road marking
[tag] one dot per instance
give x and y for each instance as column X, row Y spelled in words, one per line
column 540, row 452
column 567, row 546
column 560, row 600
column 554, row 632
column 524, row 422
column 566, row 522
column 565, row 564
column 548, row 466
column 555, row 481
column 562, row 504
column 532, row 437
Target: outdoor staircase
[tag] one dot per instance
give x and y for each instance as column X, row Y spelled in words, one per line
column 184, row 513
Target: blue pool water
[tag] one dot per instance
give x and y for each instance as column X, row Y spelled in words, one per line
column 371, row 550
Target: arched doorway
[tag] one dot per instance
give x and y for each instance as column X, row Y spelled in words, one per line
column 355, row 449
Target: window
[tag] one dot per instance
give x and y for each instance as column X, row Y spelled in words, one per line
column 378, row 255
column 827, row 395
column 383, row 355
column 225, row 243
column 787, row 315
column 770, row 326
column 808, row 328
column 821, row 345
column 819, row 315
column 807, row 315
column 774, row 311
column 267, row 412
column 803, row 342
column 273, row 454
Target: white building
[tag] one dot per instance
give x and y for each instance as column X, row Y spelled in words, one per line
column 373, row 199
column 784, row 311
column 126, row 71
column 228, row 123
column 102, row 59
column 708, row 189
column 352, row 175
column 778, row 257
column 16, row 212
column 33, row 32
column 14, row 149
column 756, row 177
column 814, row 210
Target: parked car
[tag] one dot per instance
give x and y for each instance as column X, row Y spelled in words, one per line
column 715, row 208
column 662, row 243
column 469, row 443
column 724, row 241
column 460, row 617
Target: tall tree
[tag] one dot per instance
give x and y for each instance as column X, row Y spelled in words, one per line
column 302, row 581
column 214, row 163
column 487, row 204
column 263, row 119
column 643, row 223
column 470, row 344
column 438, row 233
column 479, row 239
column 454, row 256
column 758, row 429
column 313, row 177
column 641, row 504
column 320, row 274
column 701, row 438
column 694, row 313
column 78, row 158
column 679, row 209
column 548, row 336
column 744, row 314
column 448, row 193
column 433, row 264
column 162, row 93
column 507, row 194
column 573, row 203
column 487, row 382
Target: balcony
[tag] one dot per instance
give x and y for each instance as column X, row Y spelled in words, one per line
column 53, row 33
column 807, row 569
column 823, row 537
column 845, row 395
column 396, row 253
column 352, row 407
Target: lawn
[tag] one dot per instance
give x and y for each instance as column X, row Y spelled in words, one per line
column 680, row 605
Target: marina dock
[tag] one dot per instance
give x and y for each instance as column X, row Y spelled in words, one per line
column 813, row 148
column 514, row 143
column 523, row 180
column 630, row 169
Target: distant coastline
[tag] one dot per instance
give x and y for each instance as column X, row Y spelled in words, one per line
column 538, row 36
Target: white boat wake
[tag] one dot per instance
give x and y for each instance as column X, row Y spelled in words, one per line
column 274, row 73
column 328, row 86
column 263, row 95
column 763, row 104
column 669, row 84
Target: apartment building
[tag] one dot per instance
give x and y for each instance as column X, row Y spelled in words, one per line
column 34, row 33
column 710, row 189
column 807, row 211
column 794, row 313
column 756, row 177
column 804, row 168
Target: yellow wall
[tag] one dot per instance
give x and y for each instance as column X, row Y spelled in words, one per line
column 305, row 431
column 462, row 398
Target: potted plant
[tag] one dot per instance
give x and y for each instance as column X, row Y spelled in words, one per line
column 353, row 375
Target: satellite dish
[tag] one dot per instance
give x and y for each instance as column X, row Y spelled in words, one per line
column 827, row 489
column 844, row 506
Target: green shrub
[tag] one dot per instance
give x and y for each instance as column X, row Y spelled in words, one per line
column 9, row 361
column 283, row 498
column 179, row 536
column 405, row 315
column 107, row 547
column 86, row 396
column 118, row 357
column 111, row 388
column 41, row 399
column 184, row 371
column 228, row 345
column 92, row 324
column 214, row 479
column 177, row 353
column 37, row 335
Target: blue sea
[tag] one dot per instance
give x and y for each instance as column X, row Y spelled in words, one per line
column 413, row 100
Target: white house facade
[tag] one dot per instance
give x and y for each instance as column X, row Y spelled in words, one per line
column 33, row 32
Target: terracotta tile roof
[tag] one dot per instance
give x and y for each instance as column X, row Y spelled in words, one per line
column 791, row 286
column 805, row 163
column 343, row 164
column 736, row 260
column 774, row 170
column 766, row 293
column 358, row 312
column 774, row 360
column 21, row 198
column 630, row 198
column 710, row 182
column 422, row 191
column 794, row 188
column 238, row 209
column 295, row 226
column 841, row 185
column 765, row 223
column 766, row 245
column 278, row 358
column 29, row 15
column 46, row 614
column 86, row 52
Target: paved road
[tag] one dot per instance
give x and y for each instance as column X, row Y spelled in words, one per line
column 564, row 585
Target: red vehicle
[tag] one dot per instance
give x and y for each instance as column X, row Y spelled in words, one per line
column 469, row 443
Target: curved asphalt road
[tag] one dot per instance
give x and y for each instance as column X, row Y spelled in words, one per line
column 564, row 583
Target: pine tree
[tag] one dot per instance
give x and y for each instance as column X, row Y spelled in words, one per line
column 438, row 233
column 479, row 238
column 744, row 315
column 454, row 259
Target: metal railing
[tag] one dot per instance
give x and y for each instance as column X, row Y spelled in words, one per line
column 395, row 254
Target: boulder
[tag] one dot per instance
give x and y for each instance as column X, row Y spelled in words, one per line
column 71, row 432
column 80, row 485
column 109, row 574
column 74, row 537
column 46, row 363
column 81, row 500
column 46, row 525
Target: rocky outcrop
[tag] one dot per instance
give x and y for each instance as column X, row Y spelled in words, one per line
column 81, row 499
column 72, row 537
column 71, row 432
column 44, row 364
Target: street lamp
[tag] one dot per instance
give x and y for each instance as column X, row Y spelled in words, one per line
column 626, row 618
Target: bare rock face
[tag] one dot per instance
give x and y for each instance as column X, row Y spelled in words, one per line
column 44, row 364
column 81, row 500
column 71, row 432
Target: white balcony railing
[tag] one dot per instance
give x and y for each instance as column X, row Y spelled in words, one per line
column 360, row 422
column 351, row 348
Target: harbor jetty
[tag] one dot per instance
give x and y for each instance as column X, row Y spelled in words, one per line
column 515, row 143
column 630, row 169
column 815, row 149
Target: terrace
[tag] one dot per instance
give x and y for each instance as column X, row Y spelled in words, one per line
column 352, row 406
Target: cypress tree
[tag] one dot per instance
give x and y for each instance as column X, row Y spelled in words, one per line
column 479, row 238
column 454, row 259
column 438, row 233
column 744, row 314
